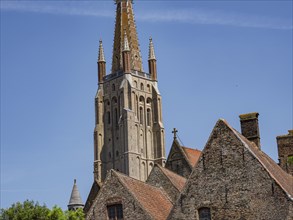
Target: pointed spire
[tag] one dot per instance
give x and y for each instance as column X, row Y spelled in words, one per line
column 125, row 23
column 152, row 61
column 151, row 50
column 101, row 57
column 75, row 201
column 126, row 44
column 101, row 63
column 126, row 59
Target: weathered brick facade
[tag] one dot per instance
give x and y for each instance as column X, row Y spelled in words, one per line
column 138, row 199
column 236, row 181
column 114, row 193
column 163, row 178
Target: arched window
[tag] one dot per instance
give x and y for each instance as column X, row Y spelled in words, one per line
column 113, row 87
column 135, row 84
column 159, row 108
column 114, row 100
column 109, row 117
column 204, row 213
column 136, row 110
column 141, row 115
column 149, row 88
column 149, row 101
column 116, row 116
column 141, row 99
column 141, row 87
column 148, row 117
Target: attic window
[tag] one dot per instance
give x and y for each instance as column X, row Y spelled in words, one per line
column 115, row 212
column 204, row 213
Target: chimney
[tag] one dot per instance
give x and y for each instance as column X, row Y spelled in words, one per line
column 285, row 151
column 249, row 127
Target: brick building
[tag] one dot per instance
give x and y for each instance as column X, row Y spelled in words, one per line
column 232, row 178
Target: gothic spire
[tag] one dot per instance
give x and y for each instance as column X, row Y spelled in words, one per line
column 125, row 23
column 152, row 61
column 151, row 50
column 101, row 57
column 101, row 63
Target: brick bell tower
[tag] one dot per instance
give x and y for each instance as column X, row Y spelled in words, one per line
column 129, row 132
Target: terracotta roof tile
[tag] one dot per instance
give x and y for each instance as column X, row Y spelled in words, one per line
column 283, row 179
column 154, row 201
column 177, row 180
column 192, row 155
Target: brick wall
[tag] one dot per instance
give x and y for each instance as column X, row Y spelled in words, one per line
column 158, row 179
column 231, row 182
column 115, row 193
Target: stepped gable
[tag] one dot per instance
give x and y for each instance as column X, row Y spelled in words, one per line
column 192, row 155
column 283, row 179
column 177, row 180
column 153, row 200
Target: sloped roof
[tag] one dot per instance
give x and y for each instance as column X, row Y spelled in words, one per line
column 177, row 180
column 96, row 186
column 153, row 200
column 192, row 155
column 75, row 198
column 283, row 179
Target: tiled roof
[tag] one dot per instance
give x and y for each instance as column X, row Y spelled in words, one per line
column 153, row 200
column 177, row 180
column 192, row 155
column 283, row 179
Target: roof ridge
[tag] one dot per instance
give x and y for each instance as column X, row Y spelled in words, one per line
column 190, row 148
column 173, row 173
column 134, row 196
column 192, row 155
column 248, row 146
column 121, row 175
column 184, row 154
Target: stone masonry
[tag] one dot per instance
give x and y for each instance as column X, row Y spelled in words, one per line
column 285, row 151
column 232, row 182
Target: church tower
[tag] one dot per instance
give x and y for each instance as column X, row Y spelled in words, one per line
column 129, row 133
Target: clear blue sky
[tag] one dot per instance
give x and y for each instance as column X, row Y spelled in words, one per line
column 216, row 59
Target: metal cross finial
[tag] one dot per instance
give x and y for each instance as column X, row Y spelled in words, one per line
column 175, row 133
